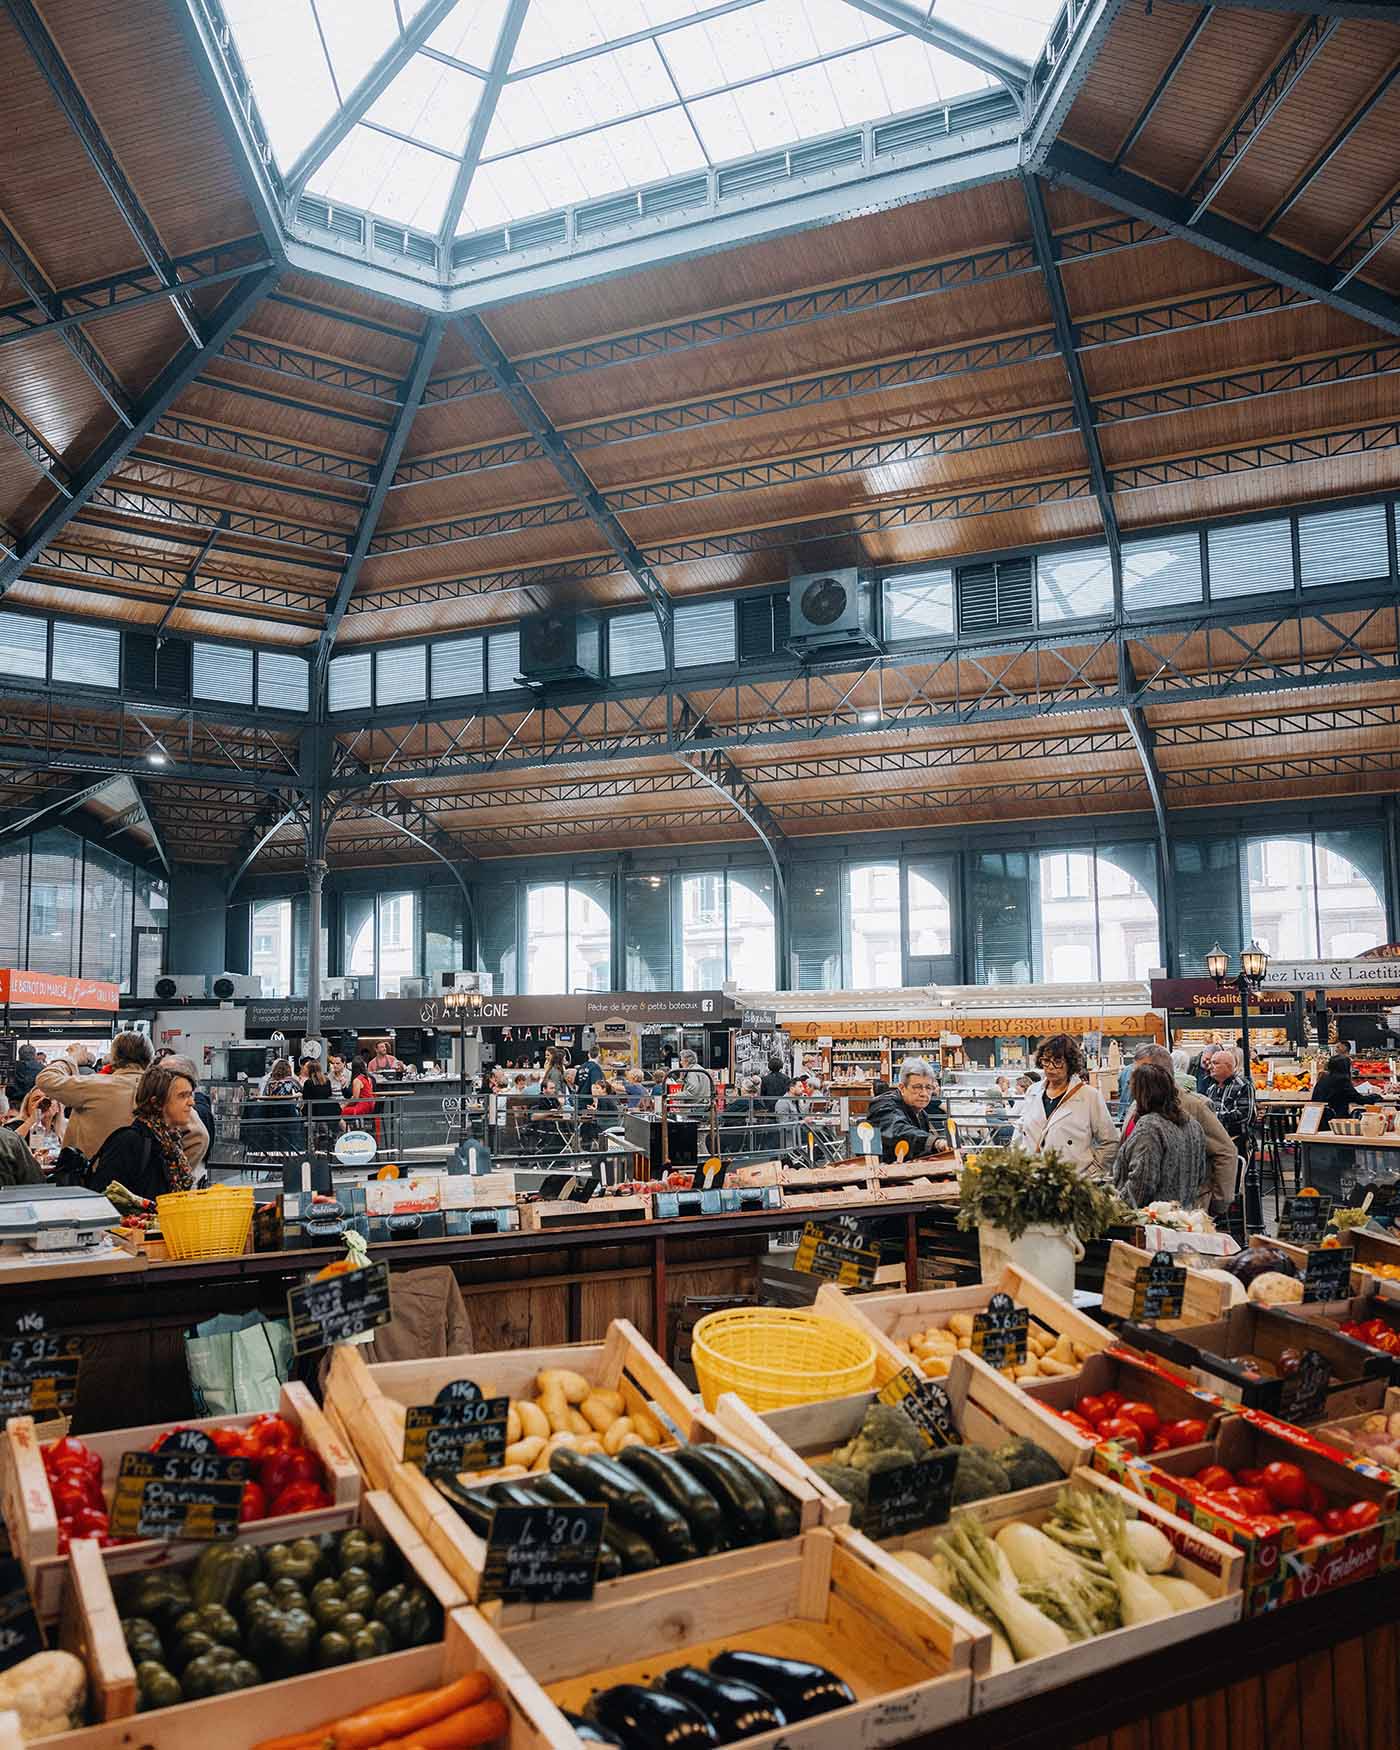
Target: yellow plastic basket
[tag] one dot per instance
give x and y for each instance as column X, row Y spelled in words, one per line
column 773, row 1358
column 206, row 1224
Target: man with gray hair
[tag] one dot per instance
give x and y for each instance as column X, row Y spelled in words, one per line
column 905, row 1113
column 1141, row 1055
column 697, row 1086
column 1220, row 1151
column 1232, row 1097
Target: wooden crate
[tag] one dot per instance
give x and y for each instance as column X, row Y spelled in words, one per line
column 1339, row 1431
column 33, row 1526
column 91, row 1626
column 987, row 1411
column 599, row 1211
column 1138, row 1378
column 1370, row 1248
column 838, row 1602
column 1208, row 1562
column 890, row 1319
column 1207, row 1296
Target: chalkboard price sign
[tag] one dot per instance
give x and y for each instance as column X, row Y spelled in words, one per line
column 999, row 1334
column 1304, row 1219
column 910, row 1497
column 1328, row 1273
column 189, row 1489
column 543, row 1555
column 1159, row 1288
column 459, row 1431
column 19, row 1628
column 38, row 1370
column 338, row 1308
column 926, row 1404
column 1304, row 1394
column 836, row 1252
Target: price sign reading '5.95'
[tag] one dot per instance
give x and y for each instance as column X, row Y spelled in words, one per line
column 542, row 1555
column 38, row 1370
column 189, row 1489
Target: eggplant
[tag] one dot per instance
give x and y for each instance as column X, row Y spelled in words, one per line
column 647, row 1719
column 628, row 1547
column 783, row 1518
column 590, row 1732
column 735, row 1709
column 746, row 1517
column 800, row 1690
column 627, row 1498
column 471, row 1504
column 674, row 1483
column 513, row 1493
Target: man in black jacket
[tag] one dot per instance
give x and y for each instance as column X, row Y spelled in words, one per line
column 775, row 1084
column 905, row 1113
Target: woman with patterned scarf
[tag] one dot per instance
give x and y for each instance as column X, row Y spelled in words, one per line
column 147, row 1156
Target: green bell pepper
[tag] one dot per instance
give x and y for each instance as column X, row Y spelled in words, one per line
column 159, row 1597
column 219, row 1672
column 282, row 1640
column 359, row 1550
column 156, row 1687
column 142, row 1639
column 194, row 1646
column 301, row 1561
column 223, row 1571
column 212, row 1620
column 409, row 1614
column 371, row 1642
column 333, row 1648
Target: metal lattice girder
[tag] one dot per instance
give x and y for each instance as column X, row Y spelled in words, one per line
column 1353, row 365
column 60, row 799
column 1258, row 298
column 157, row 507
column 927, row 27
column 1372, row 764
column 115, row 449
column 368, row 91
column 476, row 459
column 1332, row 148
column 1314, row 720
column 51, row 740
column 311, row 367
column 159, row 469
column 178, row 428
column 150, row 581
column 131, row 290
column 589, row 500
column 1263, row 106
column 1281, row 452
column 16, row 258
column 1076, row 168
column 187, row 582
column 411, row 394
column 1369, row 240
column 33, row 448
column 251, row 392
column 502, row 53
column 1239, row 660
column 71, row 101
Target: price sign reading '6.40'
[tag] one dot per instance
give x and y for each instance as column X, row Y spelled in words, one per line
column 542, row 1555
column 459, row 1431
column 189, row 1489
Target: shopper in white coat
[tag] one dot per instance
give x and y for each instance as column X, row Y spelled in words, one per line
column 1064, row 1112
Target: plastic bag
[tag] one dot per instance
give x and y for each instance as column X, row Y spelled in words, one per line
column 238, row 1363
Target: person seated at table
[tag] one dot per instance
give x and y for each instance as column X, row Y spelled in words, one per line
column 1335, row 1088
column 598, row 1114
column 361, row 1101
column 745, row 1123
column 280, row 1082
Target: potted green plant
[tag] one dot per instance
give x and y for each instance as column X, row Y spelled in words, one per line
column 1035, row 1210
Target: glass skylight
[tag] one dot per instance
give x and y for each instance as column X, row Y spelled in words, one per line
column 593, row 98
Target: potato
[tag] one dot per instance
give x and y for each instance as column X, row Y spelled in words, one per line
column 936, row 1367
column 645, row 1427
column 613, row 1399
column 960, row 1324
column 514, row 1431
column 596, row 1413
column 532, row 1419
column 1064, row 1351
column 1058, row 1369
column 630, row 1439
column 591, row 1443
column 964, row 1342
column 577, row 1424
column 504, row 1474
column 1082, row 1352
column 526, row 1451
column 573, row 1385
column 615, row 1435
column 556, row 1408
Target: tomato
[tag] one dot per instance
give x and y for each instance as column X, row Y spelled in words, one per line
column 1119, row 1428
column 1317, row 1537
column 1092, row 1409
column 1157, row 1444
column 1252, row 1479
column 1285, row 1485
column 1189, row 1432
column 293, row 1464
column 1143, row 1414
column 230, row 1442
column 1215, row 1476
column 1112, row 1400
column 1317, row 1500
column 1307, row 1524
column 253, row 1505
column 1255, row 1502
column 267, row 1433
column 1334, row 1521
column 1360, row 1514
column 1222, row 1502
column 161, row 1439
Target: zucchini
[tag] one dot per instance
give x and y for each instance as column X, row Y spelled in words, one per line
column 674, row 1483
column 589, row 1732
column 735, row 1709
column 784, row 1520
column 648, row 1719
column 627, row 1498
column 745, row 1514
column 554, row 1489
column 800, row 1690
column 629, row 1547
column 471, row 1506
column 513, row 1494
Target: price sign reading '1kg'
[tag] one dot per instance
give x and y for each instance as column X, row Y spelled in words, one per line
column 926, row 1404
column 459, row 1431
column 1304, row 1218
column 189, row 1489
column 38, row 1370
column 1328, row 1273
column 837, row 1253
column 999, row 1334
column 337, row 1308
column 543, row 1555
column 1159, row 1288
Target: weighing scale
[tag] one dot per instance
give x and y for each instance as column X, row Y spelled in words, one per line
column 54, row 1218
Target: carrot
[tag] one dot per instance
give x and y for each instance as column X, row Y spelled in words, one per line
column 481, row 1724
column 402, row 1719
column 295, row 1741
column 318, row 1736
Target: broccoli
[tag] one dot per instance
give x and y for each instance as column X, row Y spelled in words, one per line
column 885, row 1428
column 978, row 1475
column 848, row 1483
column 1027, row 1464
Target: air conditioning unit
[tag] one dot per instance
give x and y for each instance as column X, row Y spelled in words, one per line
column 172, row 987
column 228, row 986
column 464, row 980
column 560, row 646
column 415, row 987
column 334, row 990
column 829, row 609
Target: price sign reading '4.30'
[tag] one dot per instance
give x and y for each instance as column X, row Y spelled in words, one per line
column 336, row 1308
column 189, row 1489
column 542, row 1555
column 460, row 1430
column 999, row 1334
column 38, row 1370
column 926, row 1404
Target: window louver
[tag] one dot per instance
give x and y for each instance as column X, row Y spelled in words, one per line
column 284, row 682
column 756, row 173
column 479, row 247
column 535, row 233
column 457, row 665
column 1161, row 572
column 24, row 647
column 755, row 627
column 1074, row 586
column 401, row 674
column 634, row 645
column 1343, row 546
column 347, row 682
column 602, row 214
column 826, row 154
column 1251, row 559
column 704, row 634
column 223, row 673
column 503, row 662
column 996, row 595
column 670, row 197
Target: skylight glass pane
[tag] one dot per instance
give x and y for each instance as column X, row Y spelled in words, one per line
column 764, row 39
column 282, row 56
column 430, row 102
column 1016, row 25
column 562, row 27
column 469, row 31
column 357, row 33
column 404, row 183
column 606, row 88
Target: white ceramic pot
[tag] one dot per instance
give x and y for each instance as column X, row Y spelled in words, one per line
column 1048, row 1253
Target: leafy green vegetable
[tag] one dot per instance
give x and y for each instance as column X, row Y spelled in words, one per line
column 1008, row 1188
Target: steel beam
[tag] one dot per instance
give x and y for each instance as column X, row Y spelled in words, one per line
column 367, row 93
column 97, row 570
column 311, row 367
column 927, row 27
column 1261, row 255
column 169, row 506
column 60, row 800
column 227, row 440
column 590, row 501
column 33, row 448
column 507, row 35
column 1331, row 149
column 1245, row 458
column 1354, row 365
column 113, row 451
column 411, row 396
column 15, row 257
column 71, row 101
column 1137, row 727
column 1159, row 90
column 187, row 582
column 1369, row 240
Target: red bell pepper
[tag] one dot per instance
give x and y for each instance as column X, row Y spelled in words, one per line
column 267, row 1433
column 301, row 1497
column 253, row 1505
column 278, row 1470
column 65, row 1452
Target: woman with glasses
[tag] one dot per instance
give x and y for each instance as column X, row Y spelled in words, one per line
column 1065, row 1112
